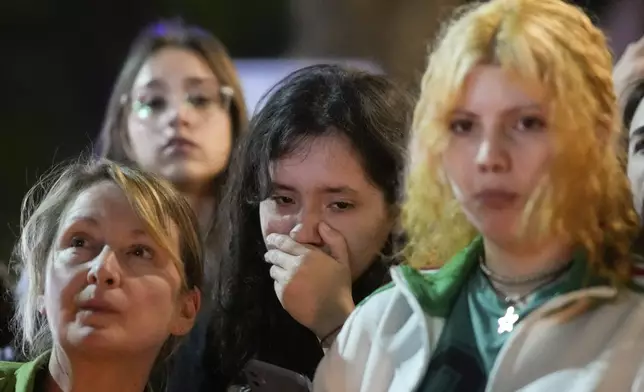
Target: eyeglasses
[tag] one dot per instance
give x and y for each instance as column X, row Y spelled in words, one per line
column 204, row 100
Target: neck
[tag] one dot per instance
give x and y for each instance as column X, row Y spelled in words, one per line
column 203, row 205
column 517, row 260
column 78, row 373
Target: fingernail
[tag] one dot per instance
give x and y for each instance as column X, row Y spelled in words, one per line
column 324, row 226
column 295, row 230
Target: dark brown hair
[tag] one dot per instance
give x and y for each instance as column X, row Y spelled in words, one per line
column 150, row 40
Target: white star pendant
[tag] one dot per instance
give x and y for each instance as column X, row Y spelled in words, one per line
column 506, row 323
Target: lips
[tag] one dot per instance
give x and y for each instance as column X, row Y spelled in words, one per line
column 179, row 144
column 496, row 199
column 97, row 306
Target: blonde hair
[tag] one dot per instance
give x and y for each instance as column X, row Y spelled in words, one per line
column 554, row 46
column 154, row 200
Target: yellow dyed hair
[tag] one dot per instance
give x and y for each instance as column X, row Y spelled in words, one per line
column 586, row 195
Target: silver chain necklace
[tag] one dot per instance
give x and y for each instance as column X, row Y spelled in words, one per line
column 507, row 321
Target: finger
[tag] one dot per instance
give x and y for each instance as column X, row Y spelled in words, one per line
column 279, row 291
column 279, row 274
column 282, row 259
column 280, row 224
column 335, row 241
column 285, row 244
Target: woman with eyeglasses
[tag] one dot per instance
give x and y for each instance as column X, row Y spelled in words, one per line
column 177, row 110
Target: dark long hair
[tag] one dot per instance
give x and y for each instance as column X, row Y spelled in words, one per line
column 373, row 114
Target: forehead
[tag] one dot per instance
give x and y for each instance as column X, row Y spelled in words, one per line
column 102, row 201
column 325, row 161
column 490, row 88
column 173, row 65
column 637, row 123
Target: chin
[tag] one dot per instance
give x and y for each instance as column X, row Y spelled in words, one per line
column 184, row 173
column 499, row 230
column 105, row 344
column 89, row 339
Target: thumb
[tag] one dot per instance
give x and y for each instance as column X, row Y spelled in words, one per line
column 335, row 241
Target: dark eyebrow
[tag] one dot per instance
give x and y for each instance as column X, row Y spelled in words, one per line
column 194, row 81
column 636, row 132
column 282, row 187
column 154, row 83
column 327, row 189
column 339, row 189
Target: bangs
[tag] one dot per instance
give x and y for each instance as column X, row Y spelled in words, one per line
column 160, row 222
column 552, row 49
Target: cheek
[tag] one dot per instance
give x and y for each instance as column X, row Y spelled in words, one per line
column 62, row 285
column 456, row 175
column 636, row 177
column 217, row 137
column 145, row 296
column 635, row 170
column 141, row 140
column 272, row 221
column 531, row 165
column 365, row 238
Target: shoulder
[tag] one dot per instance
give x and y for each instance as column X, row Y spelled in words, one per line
column 18, row 376
column 8, row 374
column 10, row 367
column 385, row 329
column 389, row 308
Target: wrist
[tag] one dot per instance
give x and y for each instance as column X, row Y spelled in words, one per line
column 334, row 323
column 328, row 340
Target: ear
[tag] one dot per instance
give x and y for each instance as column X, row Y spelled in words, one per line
column 188, row 307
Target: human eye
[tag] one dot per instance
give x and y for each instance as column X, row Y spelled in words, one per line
column 530, row 123
column 147, row 106
column 341, row 206
column 638, row 146
column 141, row 251
column 200, row 100
column 461, row 126
column 282, row 200
column 78, row 241
column 77, row 247
column 154, row 102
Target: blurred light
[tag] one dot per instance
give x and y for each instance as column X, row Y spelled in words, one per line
column 258, row 76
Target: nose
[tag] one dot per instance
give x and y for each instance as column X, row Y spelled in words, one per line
column 492, row 155
column 179, row 115
column 306, row 231
column 104, row 269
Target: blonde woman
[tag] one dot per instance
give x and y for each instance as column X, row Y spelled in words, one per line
column 515, row 180
column 114, row 263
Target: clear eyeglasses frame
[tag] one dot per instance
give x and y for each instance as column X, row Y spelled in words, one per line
column 204, row 101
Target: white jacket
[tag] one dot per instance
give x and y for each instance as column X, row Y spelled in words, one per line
column 386, row 344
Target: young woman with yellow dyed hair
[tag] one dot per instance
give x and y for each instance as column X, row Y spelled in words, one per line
column 516, row 180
